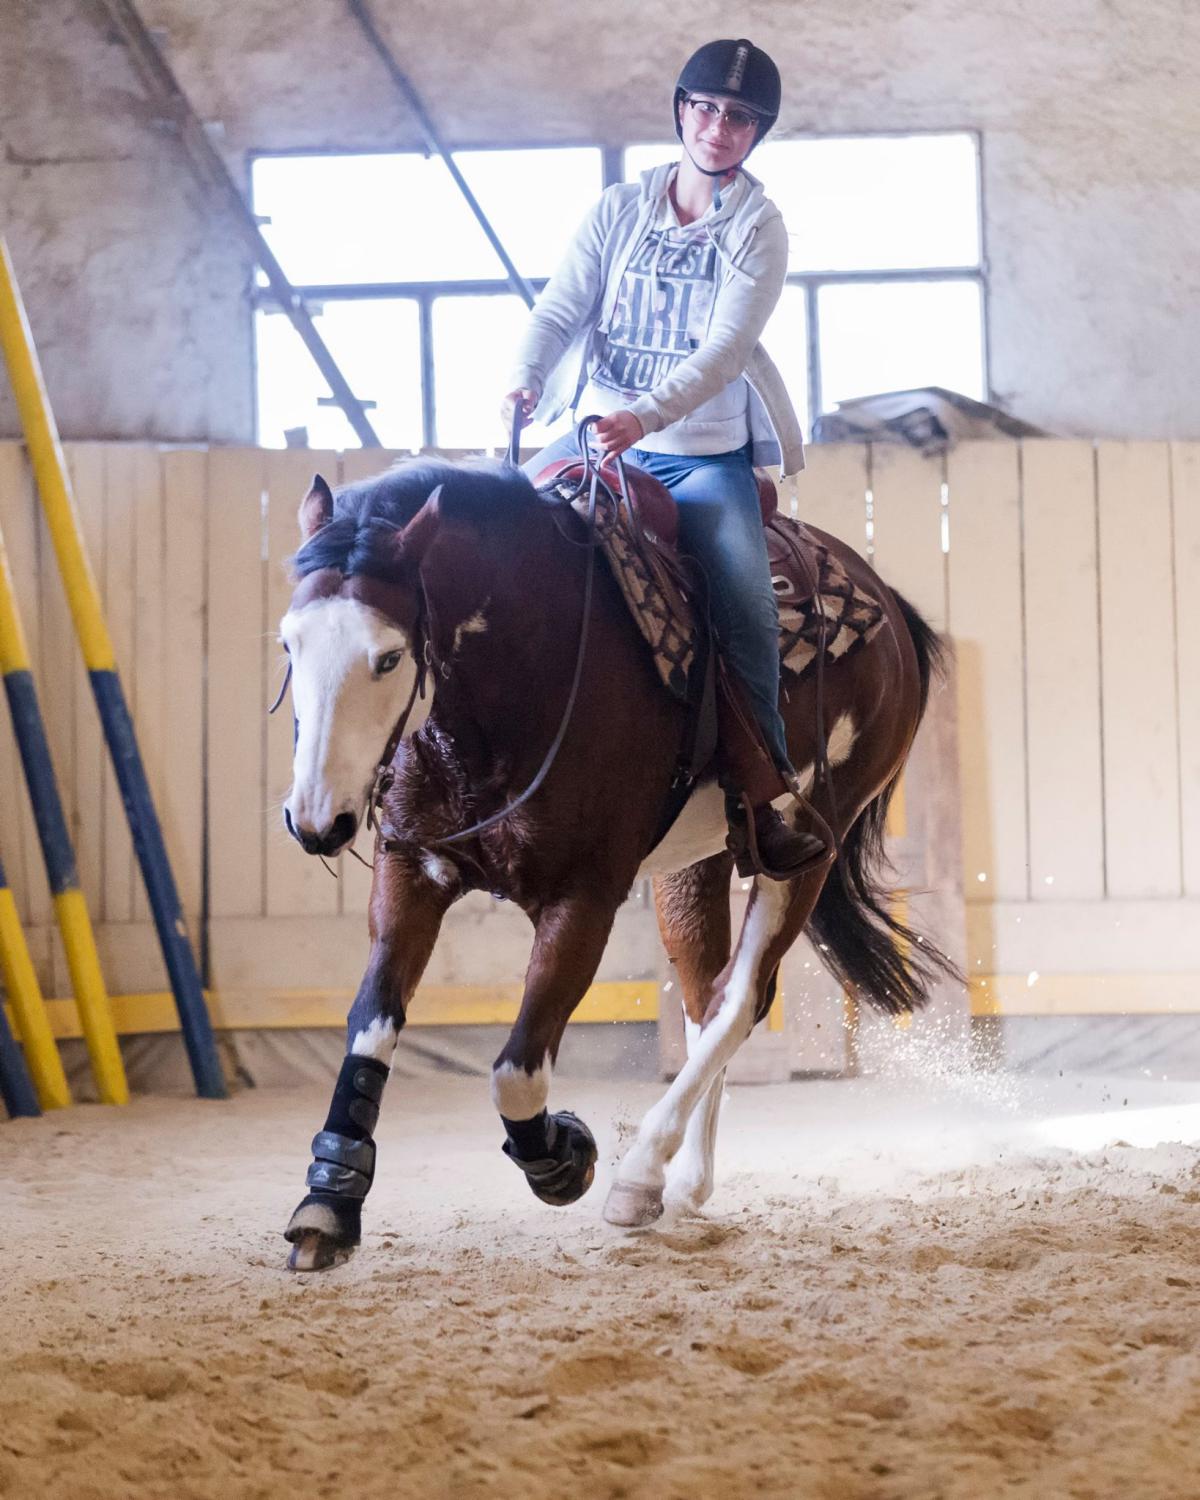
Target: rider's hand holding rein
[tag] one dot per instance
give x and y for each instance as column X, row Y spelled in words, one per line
column 526, row 398
column 617, row 432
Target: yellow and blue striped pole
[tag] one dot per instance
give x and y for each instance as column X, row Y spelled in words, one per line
column 70, row 909
column 50, row 471
column 15, row 1088
column 41, row 1056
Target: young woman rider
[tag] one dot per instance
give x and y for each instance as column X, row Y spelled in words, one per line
column 652, row 320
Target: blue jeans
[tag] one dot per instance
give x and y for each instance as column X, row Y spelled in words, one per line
column 721, row 526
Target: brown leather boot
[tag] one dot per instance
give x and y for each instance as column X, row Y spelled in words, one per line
column 762, row 840
column 784, row 852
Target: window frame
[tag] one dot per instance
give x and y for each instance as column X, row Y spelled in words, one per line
column 425, row 293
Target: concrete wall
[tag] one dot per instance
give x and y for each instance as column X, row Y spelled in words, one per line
column 1088, row 108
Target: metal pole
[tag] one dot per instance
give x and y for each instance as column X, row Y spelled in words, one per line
column 362, row 15
column 41, row 1055
column 50, row 471
column 209, row 166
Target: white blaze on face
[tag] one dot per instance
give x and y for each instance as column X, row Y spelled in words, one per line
column 349, row 688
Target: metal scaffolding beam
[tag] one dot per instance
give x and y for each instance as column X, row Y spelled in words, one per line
column 433, row 141
column 209, row 167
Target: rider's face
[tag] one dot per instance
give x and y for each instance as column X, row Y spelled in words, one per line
column 711, row 141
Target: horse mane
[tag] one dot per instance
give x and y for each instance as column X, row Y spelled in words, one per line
column 360, row 536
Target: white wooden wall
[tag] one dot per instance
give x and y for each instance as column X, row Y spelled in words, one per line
column 1065, row 571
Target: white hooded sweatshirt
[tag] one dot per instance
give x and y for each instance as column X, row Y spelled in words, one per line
column 693, row 400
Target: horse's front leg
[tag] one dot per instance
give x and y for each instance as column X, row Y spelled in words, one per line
column 406, row 911
column 556, row 1152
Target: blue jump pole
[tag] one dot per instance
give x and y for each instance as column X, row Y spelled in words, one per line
column 16, row 1086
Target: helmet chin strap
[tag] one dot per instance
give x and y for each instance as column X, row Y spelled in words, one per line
column 708, row 172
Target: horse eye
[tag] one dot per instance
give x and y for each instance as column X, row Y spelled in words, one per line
column 388, row 663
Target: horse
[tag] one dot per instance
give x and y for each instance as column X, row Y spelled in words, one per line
column 433, row 640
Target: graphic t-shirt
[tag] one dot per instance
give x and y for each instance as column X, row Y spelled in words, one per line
column 661, row 317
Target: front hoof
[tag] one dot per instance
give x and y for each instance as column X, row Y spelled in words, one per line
column 631, row 1205
column 323, row 1232
column 565, row 1175
column 314, row 1251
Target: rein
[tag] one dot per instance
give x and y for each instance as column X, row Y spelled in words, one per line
column 591, row 479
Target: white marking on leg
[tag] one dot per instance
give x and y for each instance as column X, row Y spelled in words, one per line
column 519, row 1095
column 690, row 1173
column 378, row 1040
column 662, row 1131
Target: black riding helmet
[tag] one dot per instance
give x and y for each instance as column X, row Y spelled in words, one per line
column 739, row 70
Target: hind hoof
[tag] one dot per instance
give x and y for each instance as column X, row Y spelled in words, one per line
column 314, row 1251
column 630, row 1205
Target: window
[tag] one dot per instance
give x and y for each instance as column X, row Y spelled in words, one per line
column 885, row 271
column 884, row 292
column 404, row 287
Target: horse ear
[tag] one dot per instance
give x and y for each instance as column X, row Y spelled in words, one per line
column 413, row 540
column 316, row 509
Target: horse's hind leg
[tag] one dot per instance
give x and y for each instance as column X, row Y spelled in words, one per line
column 556, row 1152
column 406, row 912
column 693, row 918
column 777, row 913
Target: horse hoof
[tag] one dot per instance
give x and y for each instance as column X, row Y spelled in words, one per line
column 314, row 1251
column 575, row 1146
column 630, row 1205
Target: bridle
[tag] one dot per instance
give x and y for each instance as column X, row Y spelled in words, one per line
column 592, row 483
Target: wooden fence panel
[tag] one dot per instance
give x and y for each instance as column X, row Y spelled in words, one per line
column 906, row 527
column 237, row 683
column 122, row 472
column 1137, row 646
column 985, row 618
column 1185, row 496
column 150, row 703
column 181, row 776
column 1062, row 653
column 86, row 774
column 831, row 493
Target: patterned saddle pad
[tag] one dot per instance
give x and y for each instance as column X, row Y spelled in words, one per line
column 846, row 613
column 659, row 598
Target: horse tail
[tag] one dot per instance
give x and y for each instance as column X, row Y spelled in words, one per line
column 879, row 958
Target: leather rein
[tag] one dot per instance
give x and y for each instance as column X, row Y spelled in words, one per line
column 591, row 482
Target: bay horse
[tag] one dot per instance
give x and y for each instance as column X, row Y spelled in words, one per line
column 465, row 574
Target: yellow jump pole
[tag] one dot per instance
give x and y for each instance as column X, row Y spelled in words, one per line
column 50, row 471
column 70, row 909
column 48, row 1088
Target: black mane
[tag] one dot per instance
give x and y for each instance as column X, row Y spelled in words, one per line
column 368, row 513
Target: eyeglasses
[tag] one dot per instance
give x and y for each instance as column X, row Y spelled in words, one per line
column 709, row 113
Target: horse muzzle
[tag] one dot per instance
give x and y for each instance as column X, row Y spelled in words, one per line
column 330, row 841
